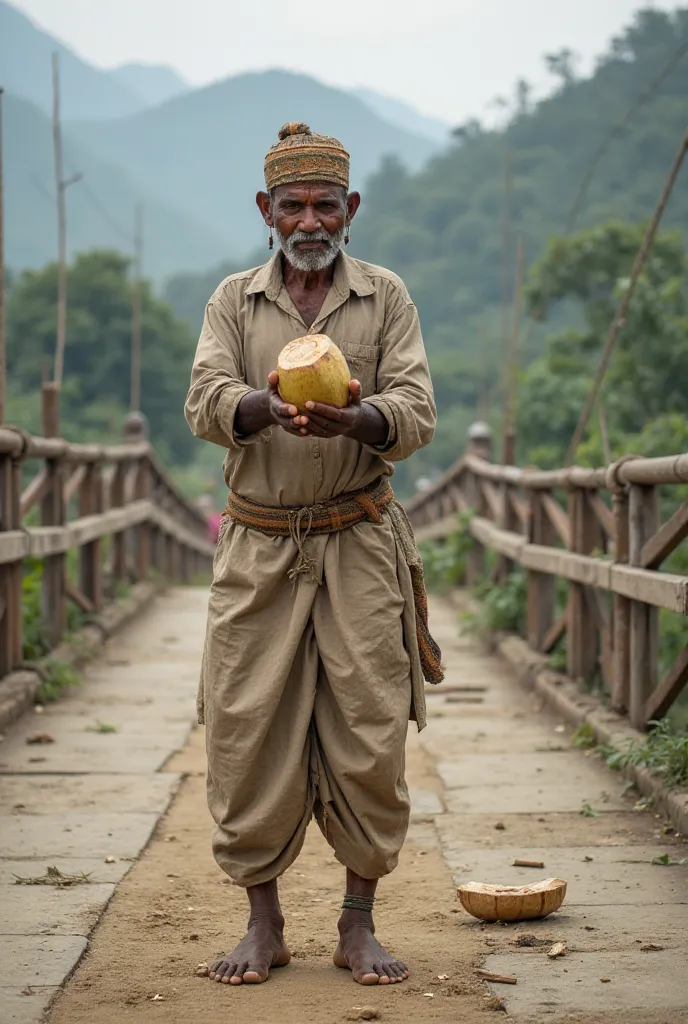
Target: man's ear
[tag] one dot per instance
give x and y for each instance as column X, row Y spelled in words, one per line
column 353, row 201
column 264, row 204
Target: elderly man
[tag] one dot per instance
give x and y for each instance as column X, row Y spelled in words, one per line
column 317, row 638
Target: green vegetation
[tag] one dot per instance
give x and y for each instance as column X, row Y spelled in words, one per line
column 56, row 677
column 664, row 751
column 103, row 728
column 97, row 359
column 441, row 230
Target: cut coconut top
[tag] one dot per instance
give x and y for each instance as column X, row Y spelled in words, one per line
column 305, row 351
column 513, row 890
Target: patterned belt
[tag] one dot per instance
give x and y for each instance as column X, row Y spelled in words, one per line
column 332, row 516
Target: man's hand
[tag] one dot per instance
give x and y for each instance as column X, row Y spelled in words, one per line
column 358, row 420
column 361, row 422
column 260, row 409
column 285, row 416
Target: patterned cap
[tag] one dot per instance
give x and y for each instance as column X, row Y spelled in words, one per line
column 302, row 156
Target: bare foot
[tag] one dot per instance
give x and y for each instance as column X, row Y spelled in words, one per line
column 260, row 949
column 362, row 954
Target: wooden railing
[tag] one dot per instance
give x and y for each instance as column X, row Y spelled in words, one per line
column 598, row 529
column 115, row 504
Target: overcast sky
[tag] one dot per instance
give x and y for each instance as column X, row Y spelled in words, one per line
column 449, row 58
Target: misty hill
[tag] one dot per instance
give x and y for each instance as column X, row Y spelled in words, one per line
column 441, row 229
column 205, row 149
column 100, row 208
column 404, row 116
column 25, row 70
column 154, row 83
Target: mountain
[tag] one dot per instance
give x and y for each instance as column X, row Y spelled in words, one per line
column 404, row 116
column 154, row 83
column 100, row 208
column 205, row 149
column 25, row 70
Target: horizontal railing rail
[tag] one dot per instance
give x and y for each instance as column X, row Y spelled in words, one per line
column 115, row 505
column 597, row 529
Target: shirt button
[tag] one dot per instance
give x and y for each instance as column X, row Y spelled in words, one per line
column 316, row 454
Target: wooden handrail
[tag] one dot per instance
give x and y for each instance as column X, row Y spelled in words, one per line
column 595, row 548
column 122, row 492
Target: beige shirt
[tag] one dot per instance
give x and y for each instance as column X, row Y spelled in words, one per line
column 368, row 313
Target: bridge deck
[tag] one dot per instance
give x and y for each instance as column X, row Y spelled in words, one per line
column 493, row 779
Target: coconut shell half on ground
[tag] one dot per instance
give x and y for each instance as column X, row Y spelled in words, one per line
column 313, row 369
column 512, row 902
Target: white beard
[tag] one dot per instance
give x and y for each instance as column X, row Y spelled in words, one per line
column 310, row 259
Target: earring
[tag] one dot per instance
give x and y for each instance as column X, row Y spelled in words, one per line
column 346, row 235
column 270, row 240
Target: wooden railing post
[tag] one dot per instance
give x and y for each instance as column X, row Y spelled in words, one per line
column 53, row 598
column 10, row 572
column 644, row 622
column 90, row 560
column 480, row 444
column 541, row 586
column 583, row 638
column 621, row 605
column 135, row 432
column 118, row 559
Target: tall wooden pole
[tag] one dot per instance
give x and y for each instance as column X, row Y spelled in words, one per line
column 506, row 274
column 135, row 387
column 512, row 361
column 51, row 390
column 61, row 229
column 3, row 318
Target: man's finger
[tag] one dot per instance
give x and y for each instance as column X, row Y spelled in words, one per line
column 326, row 412
column 355, row 391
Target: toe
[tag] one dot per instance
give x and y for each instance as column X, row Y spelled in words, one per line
column 237, row 975
column 369, row 978
column 254, row 977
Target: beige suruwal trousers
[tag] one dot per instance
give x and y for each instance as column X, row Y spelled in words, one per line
column 306, row 695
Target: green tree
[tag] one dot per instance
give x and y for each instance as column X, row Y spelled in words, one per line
column 97, row 356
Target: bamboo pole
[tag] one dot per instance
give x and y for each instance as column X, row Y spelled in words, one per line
column 135, row 390
column 622, row 309
column 61, row 186
column 512, row 361
column 3, row 312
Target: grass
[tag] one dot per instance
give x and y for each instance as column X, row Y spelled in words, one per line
column 103, row 728
column 53, row 876
column 584, row 735
column 56, row 677
column 665, row 751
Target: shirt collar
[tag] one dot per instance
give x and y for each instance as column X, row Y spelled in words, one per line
column 348, row 277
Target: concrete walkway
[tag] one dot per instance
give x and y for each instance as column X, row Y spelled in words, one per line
column 515, row 787
column 87, row 798
column 500, row 780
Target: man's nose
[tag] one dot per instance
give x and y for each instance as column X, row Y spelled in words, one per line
column 309, row 220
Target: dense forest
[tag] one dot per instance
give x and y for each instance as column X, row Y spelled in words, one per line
column 442, row 230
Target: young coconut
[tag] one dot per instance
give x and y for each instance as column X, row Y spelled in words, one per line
column 510, row 902
column 312, row 369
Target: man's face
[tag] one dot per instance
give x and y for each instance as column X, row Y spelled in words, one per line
column 309, row 221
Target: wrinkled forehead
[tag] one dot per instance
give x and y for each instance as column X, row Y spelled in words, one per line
column 309, row 192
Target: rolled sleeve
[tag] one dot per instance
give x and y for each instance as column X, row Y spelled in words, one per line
column 404, row 388
column 218, row 379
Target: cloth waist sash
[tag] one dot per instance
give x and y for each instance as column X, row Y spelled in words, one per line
column 341, row 513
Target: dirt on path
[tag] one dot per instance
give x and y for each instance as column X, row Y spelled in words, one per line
column 174, row 910
column 493, row 779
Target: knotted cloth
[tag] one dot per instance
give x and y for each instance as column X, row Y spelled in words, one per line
column 300, row 155
column 341, row 513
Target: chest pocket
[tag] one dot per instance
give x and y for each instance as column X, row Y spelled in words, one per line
column 363, row 361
